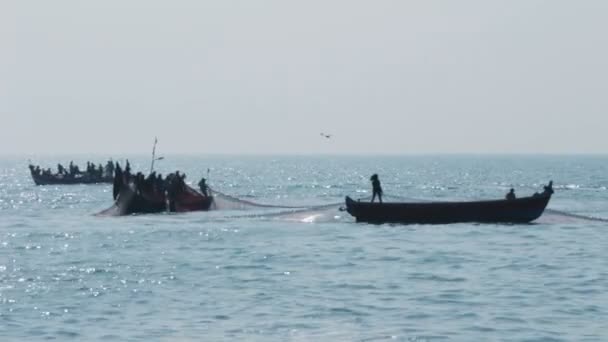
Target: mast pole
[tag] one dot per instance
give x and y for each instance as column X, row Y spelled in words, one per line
column 153, row 154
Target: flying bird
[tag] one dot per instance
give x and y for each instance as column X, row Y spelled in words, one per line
column 326, row 136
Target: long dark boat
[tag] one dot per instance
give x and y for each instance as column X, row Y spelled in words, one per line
column 521, row 210
column 64, row 178
column 55, row 179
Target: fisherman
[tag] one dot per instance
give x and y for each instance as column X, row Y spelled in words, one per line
column 376, row 188
column 174, row 187
column 118, row 181
column 72, row 170
column 160, row 184
column 139, row 182
column 176, row 182
column 109, row 168
column 548, row 188
column 60, row 169
column 510, row 195
column 203, row 186
column 179, row 181
column 150, row 182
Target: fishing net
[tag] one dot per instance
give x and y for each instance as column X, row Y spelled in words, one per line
column 226, row 202
column 120, row 205
column 328, row 212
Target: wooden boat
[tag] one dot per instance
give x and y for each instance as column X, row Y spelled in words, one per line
column 64, row 178
column 190, row 200
column 130, row 202
column 67, row 179
column 521, row 210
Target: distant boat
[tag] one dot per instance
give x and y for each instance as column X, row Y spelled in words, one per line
column 65, row 178
column 521, row 210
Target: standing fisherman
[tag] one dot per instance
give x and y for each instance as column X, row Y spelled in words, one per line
column 548, row 189
column 110, row 168
column 118, row 181
column 376, row 187
column 203, row 186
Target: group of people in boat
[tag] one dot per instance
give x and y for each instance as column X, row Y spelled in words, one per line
column 74, row 171
column 377, row 190
column 547, row 190
column 154, row 185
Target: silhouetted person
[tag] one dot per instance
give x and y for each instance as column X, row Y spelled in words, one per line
column 202, row 185
column 511, row 195
column 139, row 182
column 179, row 180
column 109, row 168
column 160, row 184
column 60, row 169
column 118, row 181
column 548, row 188
column 376, row 188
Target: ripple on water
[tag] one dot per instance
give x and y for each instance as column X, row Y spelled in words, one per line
column 436, row 278
column 220, row 277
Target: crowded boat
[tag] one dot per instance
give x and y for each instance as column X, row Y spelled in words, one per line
column 137, row 193
column 73, row 174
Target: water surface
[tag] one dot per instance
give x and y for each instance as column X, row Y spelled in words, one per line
column 246, row 273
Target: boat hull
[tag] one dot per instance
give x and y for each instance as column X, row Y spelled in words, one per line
column 55, row 180
column 521, row 210
column 131, row 202
column 191, row 200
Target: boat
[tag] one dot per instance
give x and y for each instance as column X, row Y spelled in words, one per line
column 137, row 194
column 520, row 210
column 131, row 201
column 64, row 179
column 48, row 178
column 190, row 200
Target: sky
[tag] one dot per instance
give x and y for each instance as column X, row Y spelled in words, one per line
column 267, row 77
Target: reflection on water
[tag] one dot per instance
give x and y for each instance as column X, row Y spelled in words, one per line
column 280, row 262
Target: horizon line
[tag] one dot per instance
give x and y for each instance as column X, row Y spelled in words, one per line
column 311, row 154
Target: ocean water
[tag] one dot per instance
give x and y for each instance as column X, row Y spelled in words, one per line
column 248, row 273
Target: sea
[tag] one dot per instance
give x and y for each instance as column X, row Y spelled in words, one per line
column 278, row 261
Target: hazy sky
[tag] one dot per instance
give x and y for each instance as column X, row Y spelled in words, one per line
column 269, row 76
